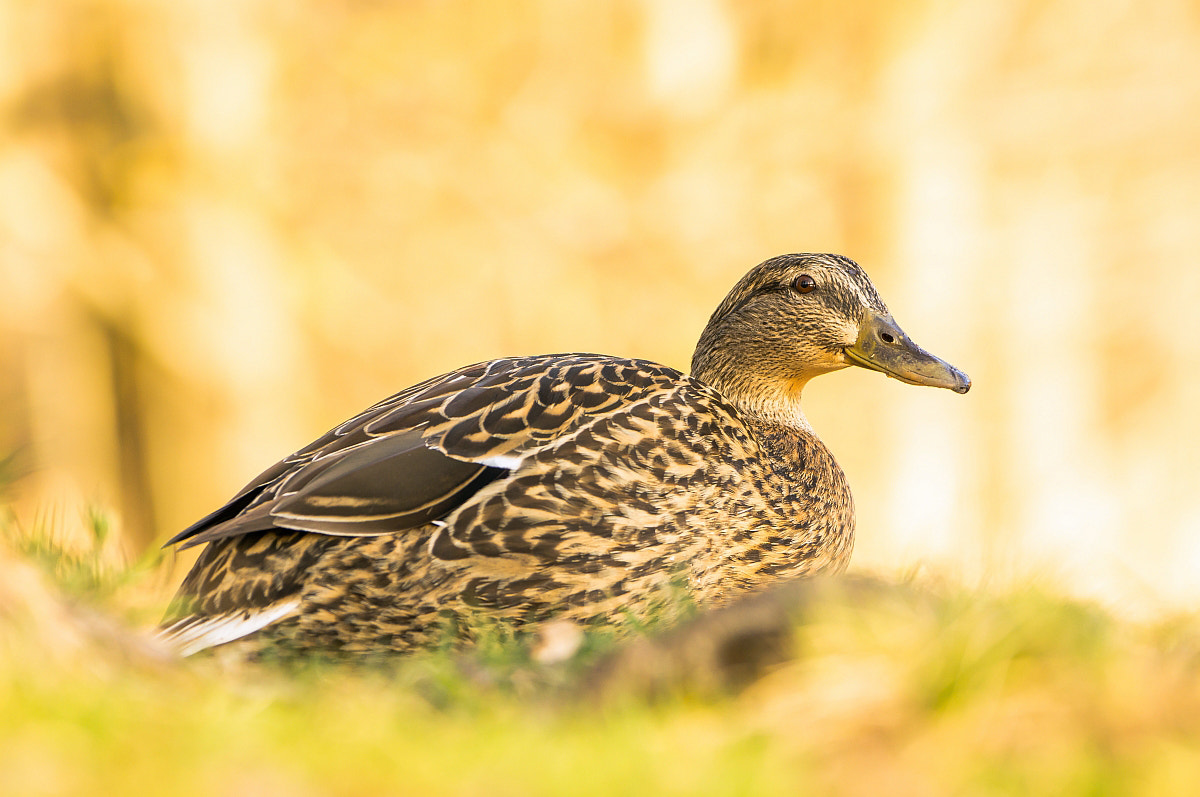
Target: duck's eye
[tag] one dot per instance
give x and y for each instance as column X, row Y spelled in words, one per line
column 804, row 284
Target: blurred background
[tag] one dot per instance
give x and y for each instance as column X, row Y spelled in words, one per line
column 227, row 227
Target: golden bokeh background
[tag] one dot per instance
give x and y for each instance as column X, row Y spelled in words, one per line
column 226, row 227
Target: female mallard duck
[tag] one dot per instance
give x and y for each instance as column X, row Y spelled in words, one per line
column 571, row 485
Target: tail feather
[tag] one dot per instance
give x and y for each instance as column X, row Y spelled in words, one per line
column 195, row 633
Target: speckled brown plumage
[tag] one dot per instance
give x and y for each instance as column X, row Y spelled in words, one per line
column 574, row 485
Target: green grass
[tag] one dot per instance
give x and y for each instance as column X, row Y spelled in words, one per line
column 913, row 689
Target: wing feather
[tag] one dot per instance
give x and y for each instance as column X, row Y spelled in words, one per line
column 416, row 456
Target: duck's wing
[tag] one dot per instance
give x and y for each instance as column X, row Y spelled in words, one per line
column 421, row 453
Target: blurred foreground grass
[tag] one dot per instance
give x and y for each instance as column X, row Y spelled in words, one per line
column 915, row 688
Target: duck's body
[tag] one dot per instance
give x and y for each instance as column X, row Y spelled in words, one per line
column 570, row 485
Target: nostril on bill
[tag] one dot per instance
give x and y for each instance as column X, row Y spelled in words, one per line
column 887, row 337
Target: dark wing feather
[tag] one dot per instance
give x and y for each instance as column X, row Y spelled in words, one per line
column 355, row 492
column 419, row 454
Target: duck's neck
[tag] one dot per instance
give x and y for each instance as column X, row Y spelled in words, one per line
column 766, row 399
column 756, row 374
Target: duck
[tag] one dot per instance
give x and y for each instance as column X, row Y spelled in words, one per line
column 580, row 487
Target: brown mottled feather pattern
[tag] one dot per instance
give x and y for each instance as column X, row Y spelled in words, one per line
column 532, row 487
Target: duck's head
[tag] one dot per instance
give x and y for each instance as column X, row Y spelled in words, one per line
column 794, row 317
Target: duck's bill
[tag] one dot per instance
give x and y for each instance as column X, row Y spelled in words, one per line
column 882, row 346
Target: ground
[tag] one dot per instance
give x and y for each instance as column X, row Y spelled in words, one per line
column 871, row 687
